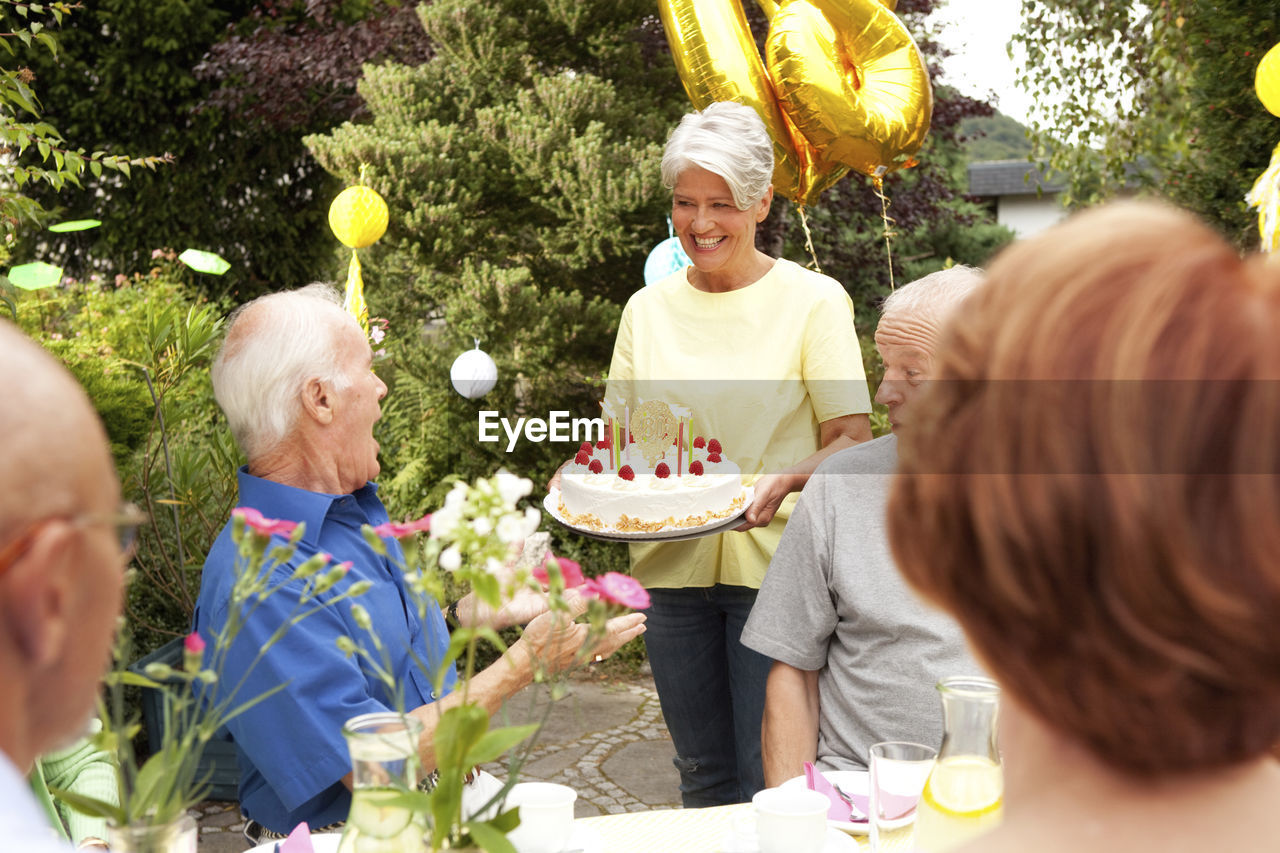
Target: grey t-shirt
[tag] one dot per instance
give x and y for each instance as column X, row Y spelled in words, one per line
column 833, row 600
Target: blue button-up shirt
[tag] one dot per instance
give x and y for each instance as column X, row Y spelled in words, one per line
column 291, row 749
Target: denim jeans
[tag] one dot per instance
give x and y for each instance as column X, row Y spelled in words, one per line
column 711, row 688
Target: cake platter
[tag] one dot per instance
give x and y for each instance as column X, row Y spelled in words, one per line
column 551, row 503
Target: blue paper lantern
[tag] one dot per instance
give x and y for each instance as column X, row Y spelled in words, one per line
column 667, row 257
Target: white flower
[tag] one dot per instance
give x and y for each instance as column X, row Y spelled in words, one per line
column 457, row 497
column 511, row 487
column 451, row 558
column 511, row 528
column 532, row 518
column 444, row 522
column 482, row 526
column 493, row 565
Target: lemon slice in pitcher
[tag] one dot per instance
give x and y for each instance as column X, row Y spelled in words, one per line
column 379, row 812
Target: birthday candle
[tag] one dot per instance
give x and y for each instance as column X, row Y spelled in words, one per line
column 690, row 445
column 679, row 448
column 613, row 446
column 627, row 438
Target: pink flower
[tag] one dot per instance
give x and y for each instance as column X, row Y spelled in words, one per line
column 569, row 570
column 344, row 567
column 265, row 526
column 402, row 530
column 193, row 643
column 192, row 652
column 618, row 589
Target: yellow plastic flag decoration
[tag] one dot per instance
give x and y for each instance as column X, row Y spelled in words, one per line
column 358, row 217
column 1265, row 196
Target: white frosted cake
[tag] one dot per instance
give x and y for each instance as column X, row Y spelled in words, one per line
column 683, row 487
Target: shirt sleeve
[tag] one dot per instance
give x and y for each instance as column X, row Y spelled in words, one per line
column 794, row 615
column 831, row 360
column 82, row 768
column 294, row 737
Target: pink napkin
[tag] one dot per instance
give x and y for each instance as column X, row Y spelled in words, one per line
column 840, row 809
column 299, row 841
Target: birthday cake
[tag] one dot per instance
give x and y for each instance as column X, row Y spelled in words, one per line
column 662, row 479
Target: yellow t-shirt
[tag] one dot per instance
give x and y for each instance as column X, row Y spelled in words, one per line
column 760, row 367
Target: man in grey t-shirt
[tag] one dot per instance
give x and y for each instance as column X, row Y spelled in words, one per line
column 856, row 652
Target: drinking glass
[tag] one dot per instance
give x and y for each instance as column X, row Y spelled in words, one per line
column 898, row 773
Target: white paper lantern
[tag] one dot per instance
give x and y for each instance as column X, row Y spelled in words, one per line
column 473, row 373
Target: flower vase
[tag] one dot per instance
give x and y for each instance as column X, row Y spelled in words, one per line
column 176, row 836
column 384, row 762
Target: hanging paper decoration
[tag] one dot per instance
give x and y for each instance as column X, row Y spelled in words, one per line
column 1265, row 196
column 207, row 262
column 35, row 276
column 473, row 373
column 75, row 225
column 667, row 258
column 1266, row 81
column 358, row 217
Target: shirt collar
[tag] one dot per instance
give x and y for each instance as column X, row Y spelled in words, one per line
column 293, row 504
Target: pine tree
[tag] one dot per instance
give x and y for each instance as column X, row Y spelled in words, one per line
column 520, row 164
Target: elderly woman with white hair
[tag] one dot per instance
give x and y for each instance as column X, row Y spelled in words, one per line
column 764, row 354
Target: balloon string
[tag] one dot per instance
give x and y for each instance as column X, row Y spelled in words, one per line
column 808, row 239
column 878, row 184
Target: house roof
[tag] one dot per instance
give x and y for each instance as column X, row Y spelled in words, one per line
column 1010, row 177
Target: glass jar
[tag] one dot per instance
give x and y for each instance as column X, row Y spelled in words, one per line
column 176, row 836
column 384, row 761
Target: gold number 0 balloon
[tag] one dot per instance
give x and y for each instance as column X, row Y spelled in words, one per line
column 846, row 85
column 851, row 79
column 717, row 60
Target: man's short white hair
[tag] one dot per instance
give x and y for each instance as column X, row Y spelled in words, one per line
column 934, row 296
column 275, row 345
column 728, row 139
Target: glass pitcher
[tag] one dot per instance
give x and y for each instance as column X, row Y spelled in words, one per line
column 384, row 758
column 964, row 795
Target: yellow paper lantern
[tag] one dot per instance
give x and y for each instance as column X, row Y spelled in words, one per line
column 358, row 217
column 1266, row 82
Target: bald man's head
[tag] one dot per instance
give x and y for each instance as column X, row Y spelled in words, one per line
column 61, row 572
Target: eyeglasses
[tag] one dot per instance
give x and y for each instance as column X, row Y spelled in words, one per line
column 126, row 522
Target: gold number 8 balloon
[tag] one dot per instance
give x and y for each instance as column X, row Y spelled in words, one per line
column 845, row 87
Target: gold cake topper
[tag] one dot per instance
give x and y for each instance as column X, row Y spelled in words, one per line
column 654, row 428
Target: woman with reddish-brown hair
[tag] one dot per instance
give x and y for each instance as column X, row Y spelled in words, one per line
column 1091, row 487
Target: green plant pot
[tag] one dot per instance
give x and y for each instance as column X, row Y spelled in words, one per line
column 219, row 763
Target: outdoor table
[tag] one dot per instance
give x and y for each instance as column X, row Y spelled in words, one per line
column 676, row 830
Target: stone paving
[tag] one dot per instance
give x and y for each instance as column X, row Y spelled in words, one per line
column 606, row 740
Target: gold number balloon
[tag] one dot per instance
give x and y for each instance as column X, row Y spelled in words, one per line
column 717, row 60
column 851, row 79
column 845, row 86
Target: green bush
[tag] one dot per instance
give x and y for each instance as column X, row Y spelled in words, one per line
column 141, row 347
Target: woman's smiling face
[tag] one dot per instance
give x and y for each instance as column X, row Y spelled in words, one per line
column 718, row 237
